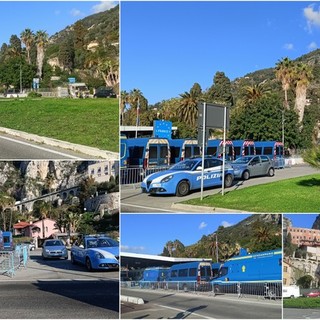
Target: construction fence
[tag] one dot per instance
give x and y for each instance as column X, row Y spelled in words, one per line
column 12, row 260
column 267, row 290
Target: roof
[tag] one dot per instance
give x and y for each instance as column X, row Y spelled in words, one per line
column 22, row 225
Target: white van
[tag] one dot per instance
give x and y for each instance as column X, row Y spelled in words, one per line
column 290, row 292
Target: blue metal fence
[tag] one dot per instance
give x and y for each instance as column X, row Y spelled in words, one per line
column 10, row 261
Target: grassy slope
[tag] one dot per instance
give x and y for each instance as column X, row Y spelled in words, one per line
column 91, row 122
column 292, row 195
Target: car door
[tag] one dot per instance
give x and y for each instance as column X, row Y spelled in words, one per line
column 212, row 172
column 255, row 166
column 265, row 165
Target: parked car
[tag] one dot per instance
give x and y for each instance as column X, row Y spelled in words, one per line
column 30, row 245
column 104, row 92
column 251, row 166
column 313, row 294
column 54, row 248
column 96, row 252
column 186, row 175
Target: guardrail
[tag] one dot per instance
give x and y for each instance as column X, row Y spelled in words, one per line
column 136, row 175
column 10, row 261
column 267, row 290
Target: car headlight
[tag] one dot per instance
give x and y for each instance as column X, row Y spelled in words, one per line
column 167, row 178
column 98, row 255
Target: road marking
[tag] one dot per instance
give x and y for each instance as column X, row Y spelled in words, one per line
column 145, row 207
column 40, row 148
column 185, row 311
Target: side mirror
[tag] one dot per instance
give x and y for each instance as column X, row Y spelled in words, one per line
column 81, row 246
column 199, row 168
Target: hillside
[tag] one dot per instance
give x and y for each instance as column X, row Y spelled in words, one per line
column 258, row 232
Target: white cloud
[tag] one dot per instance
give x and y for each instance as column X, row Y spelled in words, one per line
column 103, row 6
column 312, row 16
column 312, row 46
column 133, row 249
column 226, row 224
column 288, row 46
column 76, row 13
column 202, row 225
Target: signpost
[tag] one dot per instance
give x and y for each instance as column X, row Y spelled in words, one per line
column 212, row 116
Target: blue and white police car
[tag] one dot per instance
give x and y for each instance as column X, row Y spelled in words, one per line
column 186, row 175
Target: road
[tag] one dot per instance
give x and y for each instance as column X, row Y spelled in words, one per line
column 193, row 306
column 13, row 148
column 54, row 289
column 132, row 200
column 294, row 313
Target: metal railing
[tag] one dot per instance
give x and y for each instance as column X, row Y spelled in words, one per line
column 11, row 260
column 136, row 175
column 267, row 290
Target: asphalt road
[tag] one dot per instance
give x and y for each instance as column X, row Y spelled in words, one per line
column 13, row 148
column 187, row 305
column 133, row 200
column 294, row 313
column 53, row 289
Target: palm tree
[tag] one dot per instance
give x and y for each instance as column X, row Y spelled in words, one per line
column 6, row 202
column 312, row 156
column 188, row 110
column 254, row 93
column 27, row 37
column 303, row 76
column 284, row 73
column 41, row 39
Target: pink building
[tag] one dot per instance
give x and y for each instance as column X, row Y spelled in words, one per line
column 40, row 229
column 304, row 236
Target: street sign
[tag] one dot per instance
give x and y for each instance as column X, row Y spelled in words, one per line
column 214, row 116
column 162, row 129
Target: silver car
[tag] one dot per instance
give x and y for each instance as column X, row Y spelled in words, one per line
column 251, row 166
column 54, row 248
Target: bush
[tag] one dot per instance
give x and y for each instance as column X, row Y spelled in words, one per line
column 34, row 94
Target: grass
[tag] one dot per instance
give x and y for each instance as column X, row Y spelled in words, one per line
column 302, row 303
column 291, row 195
column 90, row 122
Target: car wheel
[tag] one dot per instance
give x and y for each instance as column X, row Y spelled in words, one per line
column 246, row 175
column 271, row 172
column 228, row 179
column 88, row 264
column 183, row 188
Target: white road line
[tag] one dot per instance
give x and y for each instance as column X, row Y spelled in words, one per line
column 40, row 148
column 185, row 311
column 145, row 207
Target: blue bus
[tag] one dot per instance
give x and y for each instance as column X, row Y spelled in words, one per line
column 7, row 240
column 155, row 274
column 144, row 153
column 190, row 275
column 181, row 149
column 215, row 148
column 272, row 149
column 243, row 148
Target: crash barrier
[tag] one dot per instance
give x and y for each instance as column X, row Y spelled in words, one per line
column 279, row 163
column 10, row 261
column 136, row 175
column 267, row 290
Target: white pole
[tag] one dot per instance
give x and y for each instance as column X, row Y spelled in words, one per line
column 203, row 144
column 224, row 147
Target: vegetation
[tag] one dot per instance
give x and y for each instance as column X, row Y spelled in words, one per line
column 65, row 119
column 256, row 233
column 291, row 195
column 302, row 303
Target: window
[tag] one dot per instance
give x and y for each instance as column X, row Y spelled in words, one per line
column 174, row 273
column 183, row 273
column 192, row 272
column 268, row 150
column 258, row 150
column 212, row 151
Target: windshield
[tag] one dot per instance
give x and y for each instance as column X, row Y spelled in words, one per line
column 102, row 242
column 184, row 165
column 243, row 160
column 53, row 243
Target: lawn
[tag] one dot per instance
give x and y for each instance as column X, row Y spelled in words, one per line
column 292, row 195
column 302, row 303
column 90, row 122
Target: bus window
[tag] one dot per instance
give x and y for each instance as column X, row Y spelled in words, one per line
column 192, row 272
column 183, row 273
column 153, row 152
column 188, row 152
column 212, row 151
column 135, row 154
column 174, row 273
column 163, row 152
column 237, row 151
column 196, row 151
column 268, row 151
column 175, row 154
column 205, row 272
column 223, row 271
column 258, row 151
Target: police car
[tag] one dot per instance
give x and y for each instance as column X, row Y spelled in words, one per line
column 186, row 175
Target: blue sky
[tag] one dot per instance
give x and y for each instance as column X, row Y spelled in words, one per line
column 51, row 16
column 168, row 46
column 302, row 220
column 148, row 233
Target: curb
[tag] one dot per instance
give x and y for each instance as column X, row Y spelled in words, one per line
column 131, row 299
column 108, row 155
column 203, row 209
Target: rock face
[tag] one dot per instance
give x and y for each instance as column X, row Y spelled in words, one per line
column 316, row 224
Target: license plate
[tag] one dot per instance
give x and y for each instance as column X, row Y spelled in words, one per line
column 156, row 185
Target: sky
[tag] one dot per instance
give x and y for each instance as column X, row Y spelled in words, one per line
column 168, row 46
column 148, row 233
column 50, row 16
column 302, row 220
